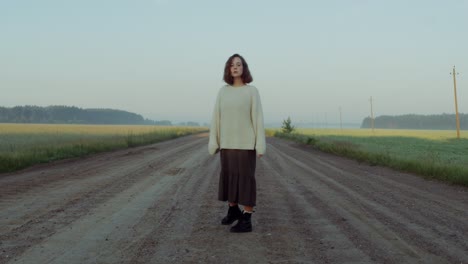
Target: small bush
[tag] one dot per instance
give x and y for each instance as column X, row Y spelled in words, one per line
column 287, row 127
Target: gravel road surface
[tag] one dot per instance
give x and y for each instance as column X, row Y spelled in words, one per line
column 158, row 204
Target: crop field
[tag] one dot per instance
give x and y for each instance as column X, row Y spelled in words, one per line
column 22, row 145
column 433, row 153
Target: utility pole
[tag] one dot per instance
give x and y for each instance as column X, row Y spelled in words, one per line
column 372, row 114
column 341, row 123
column 456, row 103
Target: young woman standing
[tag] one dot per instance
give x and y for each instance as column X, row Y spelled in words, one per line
column 237, row 132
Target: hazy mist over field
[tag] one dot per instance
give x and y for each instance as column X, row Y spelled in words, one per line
column 165, row 59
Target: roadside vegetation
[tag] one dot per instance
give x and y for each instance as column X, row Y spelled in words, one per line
column 434, row 154
column 23, row 145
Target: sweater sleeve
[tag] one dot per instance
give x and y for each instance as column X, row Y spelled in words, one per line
column 257, row 122
column 214, row 140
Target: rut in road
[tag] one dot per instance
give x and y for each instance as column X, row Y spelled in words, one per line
column 158, row 203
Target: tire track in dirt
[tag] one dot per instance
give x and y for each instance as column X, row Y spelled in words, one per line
column 386, row 181
column 413, row 202
column 342, row 213
column 19, row 190
column 170, row 219
column 42, row 225
column 311, row 235
column 416, row 234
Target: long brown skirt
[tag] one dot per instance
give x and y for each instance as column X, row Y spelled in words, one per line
column 237, row 178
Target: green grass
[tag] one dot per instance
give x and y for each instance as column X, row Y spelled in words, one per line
column 24, row 145
column 434, row 155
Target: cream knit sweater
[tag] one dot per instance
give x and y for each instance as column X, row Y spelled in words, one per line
column 237, row 121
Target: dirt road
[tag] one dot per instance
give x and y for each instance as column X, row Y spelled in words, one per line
column 157, row 204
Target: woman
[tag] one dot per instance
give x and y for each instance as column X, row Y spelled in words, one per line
column 237, row 132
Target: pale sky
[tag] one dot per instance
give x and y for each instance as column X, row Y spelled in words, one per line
column 164, row 59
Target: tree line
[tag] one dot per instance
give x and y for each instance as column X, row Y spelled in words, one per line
column 412, row 121
column 73, row 115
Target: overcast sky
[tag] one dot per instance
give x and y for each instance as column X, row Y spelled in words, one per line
column 164, row 59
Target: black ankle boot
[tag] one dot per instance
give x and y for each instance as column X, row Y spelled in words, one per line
column 244, row 224
column 234, row 213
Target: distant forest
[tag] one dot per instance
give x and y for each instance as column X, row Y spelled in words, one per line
column 73, row 115
column 442, row 122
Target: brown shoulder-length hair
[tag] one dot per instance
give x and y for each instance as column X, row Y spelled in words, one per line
column 246, row 76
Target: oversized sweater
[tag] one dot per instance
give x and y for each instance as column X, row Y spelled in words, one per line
column 237, row 121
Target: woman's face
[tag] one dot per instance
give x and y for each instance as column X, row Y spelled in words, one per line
column 236, row 67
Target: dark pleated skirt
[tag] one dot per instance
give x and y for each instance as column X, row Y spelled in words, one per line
column 237, row 178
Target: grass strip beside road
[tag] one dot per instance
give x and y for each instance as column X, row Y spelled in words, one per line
column 27, row 146
column 441, row 159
